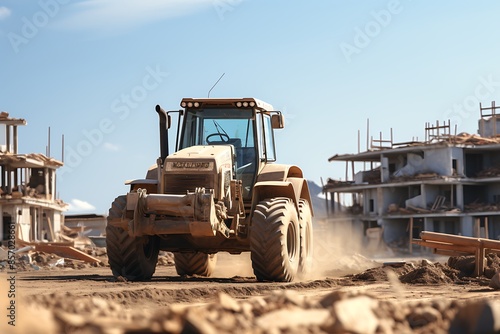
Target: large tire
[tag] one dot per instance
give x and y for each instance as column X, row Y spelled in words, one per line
column 274, row 240
column 198, row 263
column 133, row 258
column 306, row 239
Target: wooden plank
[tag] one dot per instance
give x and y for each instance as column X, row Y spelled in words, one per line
column 417, row 209
column 486, row 233
column 448, row 243
column 449, row 238
column 479, row 269
column 66, row 251
column 446, row 246
column 411, row 236
column 477, row 227
column 491, row 244
column 448, row 252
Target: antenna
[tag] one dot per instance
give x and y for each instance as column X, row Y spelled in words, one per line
column 215, row 84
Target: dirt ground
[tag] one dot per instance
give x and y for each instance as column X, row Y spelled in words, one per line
column 410, row 294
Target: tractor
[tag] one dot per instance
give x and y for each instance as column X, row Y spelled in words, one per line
column 221, row 190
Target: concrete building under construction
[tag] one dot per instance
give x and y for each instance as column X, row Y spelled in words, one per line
column 448, row 183
column 28, row 202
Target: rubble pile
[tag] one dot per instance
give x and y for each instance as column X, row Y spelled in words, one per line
column 30, row 260
column 331, row 310
column 458, row 270
column 481, row 207
column 280, row 312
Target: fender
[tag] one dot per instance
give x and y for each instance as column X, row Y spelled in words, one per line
column 277, row 180
column 150, row 185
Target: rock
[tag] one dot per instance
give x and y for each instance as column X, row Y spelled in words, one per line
column 196, row 323
column 289, row 318
column 332, row 298
column 422, row 316
column 426, row 263
column 393, row 207
column 287, row 297
column 354, row 315
column 35, row 320
column 495, row 281
column 229, row 303
column 477, row 317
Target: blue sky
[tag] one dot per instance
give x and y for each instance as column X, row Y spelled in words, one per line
column 94, row 70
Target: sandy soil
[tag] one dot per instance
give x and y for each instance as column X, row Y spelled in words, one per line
column 89, row 300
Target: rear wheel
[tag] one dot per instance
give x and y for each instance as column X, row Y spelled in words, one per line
column 274, row 240
column 198, row 263
column 306, row 238
column 133, row 258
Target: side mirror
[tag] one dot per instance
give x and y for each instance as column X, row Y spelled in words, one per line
column 278, row 121
column 169, row 121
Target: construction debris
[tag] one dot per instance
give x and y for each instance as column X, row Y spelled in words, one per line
column 453, row 244
column 281, row 312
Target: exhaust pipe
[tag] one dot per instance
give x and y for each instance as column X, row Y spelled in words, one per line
column 163, row 133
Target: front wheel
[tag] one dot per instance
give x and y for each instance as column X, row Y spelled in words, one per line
column 133, row 258
column 275, row 241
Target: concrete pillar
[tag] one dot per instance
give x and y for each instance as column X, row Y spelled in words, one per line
column 460, row 196
column 47, row 184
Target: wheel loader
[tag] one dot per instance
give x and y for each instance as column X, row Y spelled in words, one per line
column 220, row 191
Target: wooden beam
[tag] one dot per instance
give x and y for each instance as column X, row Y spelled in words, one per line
column 455, row 243
column 450, row 238
column 66, row 251
column 446, row 246
column 411, row 235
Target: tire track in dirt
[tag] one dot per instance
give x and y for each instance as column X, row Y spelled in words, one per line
column 164, row 296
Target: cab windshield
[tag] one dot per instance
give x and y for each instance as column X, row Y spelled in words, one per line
column 225, row 127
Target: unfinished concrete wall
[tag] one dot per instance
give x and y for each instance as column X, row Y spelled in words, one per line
column 384, row 169
column 438, row 160
column 493, row 193
column 458, row 162
column 394, row 195
column 24, row 222
column 494, row 227
column 467, row 226
column 370, row 202
column 431, row 192
column 489, row 127
column 417, row 201
column 395, row 230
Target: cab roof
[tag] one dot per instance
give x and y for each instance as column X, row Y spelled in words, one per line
column 228, row 102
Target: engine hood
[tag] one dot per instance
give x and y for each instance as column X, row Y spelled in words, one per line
column 201, row 158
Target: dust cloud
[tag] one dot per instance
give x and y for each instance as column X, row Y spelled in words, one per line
column 340, row 249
